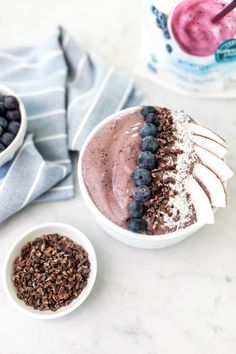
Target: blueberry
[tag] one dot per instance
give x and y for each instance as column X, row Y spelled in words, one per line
column 136, row 209
column 142, row 177
column 1, row 130
column 142, row 193
column 3, row 123
column 147, row 160
column 2, row 107
column 147, row 109
column 13, row 115
column 154, row 10
column 169, row 48
column 148, row 129
column 137, row 225
column 7, row 138
column 2, row 147
column 13, row 127
column 158, row 23
column 152, row 118
column 10, row 102
column 166, row 34
column 149, row 143
column 161, row 20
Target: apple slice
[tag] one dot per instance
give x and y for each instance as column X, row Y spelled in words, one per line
column 209, row 181
column 200, row 130
column 210, row 145
column 215, row 164
column 201, row 203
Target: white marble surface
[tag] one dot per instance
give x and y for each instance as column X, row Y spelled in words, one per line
column 181, row 299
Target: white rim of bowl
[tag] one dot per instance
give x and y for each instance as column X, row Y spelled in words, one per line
column 23, row 123
column 89, row 201
column 65, row 310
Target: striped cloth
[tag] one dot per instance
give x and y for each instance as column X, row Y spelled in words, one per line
column 66, row 93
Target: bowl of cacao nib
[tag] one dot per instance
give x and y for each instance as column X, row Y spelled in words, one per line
column 13, row 124
column 50, row 271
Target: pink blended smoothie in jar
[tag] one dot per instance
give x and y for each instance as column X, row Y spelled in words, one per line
column 193, row 29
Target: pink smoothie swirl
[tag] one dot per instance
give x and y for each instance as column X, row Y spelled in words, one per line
column 193, row 29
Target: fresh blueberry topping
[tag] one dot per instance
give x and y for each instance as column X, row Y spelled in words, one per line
column 166, row 34
column 169, row 48
column 147, row 160
column 161, row 20
column 7, row 138
column 9, row 120
column 148, row 129
column 10, row 102
column 13, row 127
column 2, row 107
column 3, row 123
column 137, row 225
column 149, row 143
column 154, row 10
column 152, row 118
column 147, row 109
column 136, row 209
column 142, row 193
column 2, row 147
column 13, row 115
column 158, row 23
column 142, row 177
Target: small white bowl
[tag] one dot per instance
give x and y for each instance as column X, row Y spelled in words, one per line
column 119, row 233
column 10, row 151
column 64, row 230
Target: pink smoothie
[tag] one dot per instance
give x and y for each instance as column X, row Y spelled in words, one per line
column 193, row 29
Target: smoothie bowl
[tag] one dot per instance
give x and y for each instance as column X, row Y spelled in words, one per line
column 151, row 176
column 13, row 124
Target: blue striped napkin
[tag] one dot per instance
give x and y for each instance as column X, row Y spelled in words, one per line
column 66, row 93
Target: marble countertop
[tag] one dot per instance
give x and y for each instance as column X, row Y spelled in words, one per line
column 181, row 299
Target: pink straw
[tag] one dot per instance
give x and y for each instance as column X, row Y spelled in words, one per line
column 224, row 12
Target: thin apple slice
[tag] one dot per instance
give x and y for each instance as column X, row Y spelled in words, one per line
column 201, row 202
column 200, row 130
column 210, row 145
column 209, row 181
column 215, row 164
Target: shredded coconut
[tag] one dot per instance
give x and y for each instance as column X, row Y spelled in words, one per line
column 179, row 203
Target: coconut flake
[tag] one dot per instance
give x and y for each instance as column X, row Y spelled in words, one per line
column 180, row 204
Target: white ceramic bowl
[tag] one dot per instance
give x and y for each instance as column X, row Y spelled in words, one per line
column 123, row 235
column 9, row 152
column 64, row 230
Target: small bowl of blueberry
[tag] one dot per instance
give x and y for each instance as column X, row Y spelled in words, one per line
column 13, row 124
